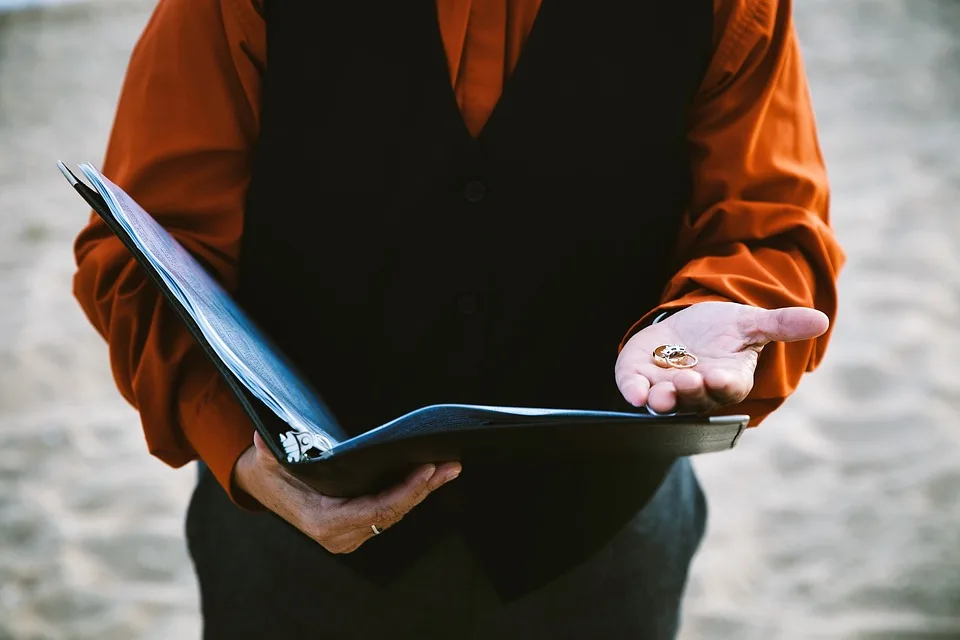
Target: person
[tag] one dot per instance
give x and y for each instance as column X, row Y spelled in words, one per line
column 506, row 202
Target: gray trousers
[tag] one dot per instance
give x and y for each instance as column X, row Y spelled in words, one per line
column 631, row 588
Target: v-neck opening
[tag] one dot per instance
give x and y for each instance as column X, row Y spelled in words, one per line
column 506, row 94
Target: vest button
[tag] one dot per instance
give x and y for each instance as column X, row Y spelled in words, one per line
column 468, row 305
column 474, row 191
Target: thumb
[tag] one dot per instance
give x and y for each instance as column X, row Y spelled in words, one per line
column 259, row 443
column 263, row 449
column 789, row 324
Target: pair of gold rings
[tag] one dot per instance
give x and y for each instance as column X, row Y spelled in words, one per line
column 674, row 356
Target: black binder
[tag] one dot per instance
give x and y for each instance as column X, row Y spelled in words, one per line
column 337, row 465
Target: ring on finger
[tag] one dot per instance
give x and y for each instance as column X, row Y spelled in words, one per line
column 376, row 530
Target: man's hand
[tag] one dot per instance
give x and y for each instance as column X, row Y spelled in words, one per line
column 340, row 525
column 726, row 338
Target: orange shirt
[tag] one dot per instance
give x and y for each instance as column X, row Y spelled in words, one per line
column 756, row 231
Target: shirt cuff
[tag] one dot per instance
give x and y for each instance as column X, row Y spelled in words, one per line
column 218, row 429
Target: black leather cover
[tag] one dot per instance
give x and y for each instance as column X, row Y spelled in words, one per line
column 368, row 463
column 373, row 460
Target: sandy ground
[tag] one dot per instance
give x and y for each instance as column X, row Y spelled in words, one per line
column 839, row 519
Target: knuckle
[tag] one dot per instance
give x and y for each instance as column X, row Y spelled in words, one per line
column 422, row 492
column 318, row 530
column 336, row 548
column 343, row 547
column 387, row 513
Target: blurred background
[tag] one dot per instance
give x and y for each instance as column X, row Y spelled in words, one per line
column 838, row 519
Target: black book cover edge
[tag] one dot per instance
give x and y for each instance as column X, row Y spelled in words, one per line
column 261, row 416
column 258, row 412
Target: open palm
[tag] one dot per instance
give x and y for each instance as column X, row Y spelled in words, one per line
column 725, row 337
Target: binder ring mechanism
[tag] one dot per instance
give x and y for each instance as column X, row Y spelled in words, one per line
column 674, row 356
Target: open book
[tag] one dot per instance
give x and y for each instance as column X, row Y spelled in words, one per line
column 305, row 436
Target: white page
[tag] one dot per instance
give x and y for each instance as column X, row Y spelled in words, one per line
column 244, row 349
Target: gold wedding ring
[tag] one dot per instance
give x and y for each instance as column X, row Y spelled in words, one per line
column 674, row 356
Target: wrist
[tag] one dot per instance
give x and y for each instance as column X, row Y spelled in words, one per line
column 243, row 479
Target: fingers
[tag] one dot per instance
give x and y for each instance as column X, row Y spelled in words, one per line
column 261, row 446
column 634, row 387
column 396, row 502
column 340, row 525
column 697, row 392
column 662, row 397
column 724, row 387
column 387, row 508
column 392, row 505
column 685, row 391
column 691, row 392
column 790, row 324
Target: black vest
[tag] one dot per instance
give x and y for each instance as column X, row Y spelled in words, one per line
column 401, row 262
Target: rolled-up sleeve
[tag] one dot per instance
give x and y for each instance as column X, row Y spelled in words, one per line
column 757, row 230
column 181, row 145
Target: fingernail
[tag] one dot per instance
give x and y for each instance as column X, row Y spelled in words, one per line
column 428, row 472
column 451, row 475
